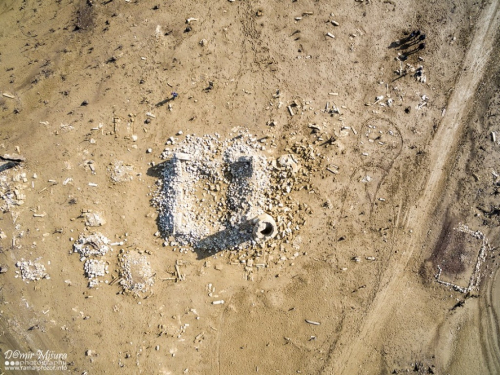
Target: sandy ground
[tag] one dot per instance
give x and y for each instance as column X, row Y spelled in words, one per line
column 78, row 79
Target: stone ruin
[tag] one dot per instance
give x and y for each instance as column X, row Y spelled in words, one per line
column 90, row 247
column 214, row 194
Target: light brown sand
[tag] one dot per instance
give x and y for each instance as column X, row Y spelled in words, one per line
column 376, row 316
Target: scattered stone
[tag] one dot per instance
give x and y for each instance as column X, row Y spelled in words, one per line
column 289, row 161
column 93, row 245
column 328, row 204
column 211, row 191
column 11, row 188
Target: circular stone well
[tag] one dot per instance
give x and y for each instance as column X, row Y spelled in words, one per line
column 264, row 228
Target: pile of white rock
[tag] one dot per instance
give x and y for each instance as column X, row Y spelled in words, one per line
column 120, row 172
column 210, row 190
column 93, row 245
column 94, row 268
column 249, row 173
column 236, row 194
column 31, row 270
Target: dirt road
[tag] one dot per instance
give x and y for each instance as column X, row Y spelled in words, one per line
column 441, row 152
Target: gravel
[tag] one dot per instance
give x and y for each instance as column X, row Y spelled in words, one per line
column 31, row 270
column 92, row 245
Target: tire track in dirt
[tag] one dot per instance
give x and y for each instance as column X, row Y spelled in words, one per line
column 441, row 151
column 490, row 326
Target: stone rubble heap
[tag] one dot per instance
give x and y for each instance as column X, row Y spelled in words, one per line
column 11, row 190
column 192, row 164
column 249, row 180
column 136, row 273
column 120, row 172
column 93, row 245
column 94, row 268
column 31, row 270
column 211, row 190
